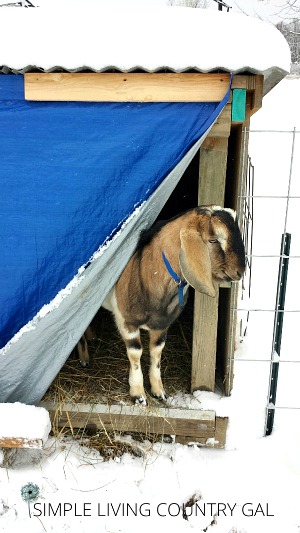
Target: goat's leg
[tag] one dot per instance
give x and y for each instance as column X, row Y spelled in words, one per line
column 89, row 334
column 82, row 347
column 157, row 343
column 83, row 351
column 136, row 381
column 131, row 337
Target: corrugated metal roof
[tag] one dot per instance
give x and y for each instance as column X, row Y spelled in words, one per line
column 73, row 36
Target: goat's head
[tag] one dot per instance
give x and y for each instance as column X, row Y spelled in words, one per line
column 212, row 250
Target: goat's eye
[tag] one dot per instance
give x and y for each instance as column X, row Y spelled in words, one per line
column 213, row 240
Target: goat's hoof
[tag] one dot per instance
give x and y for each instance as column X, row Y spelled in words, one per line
column 162, row 397
column 139, row 400
column 84, row 364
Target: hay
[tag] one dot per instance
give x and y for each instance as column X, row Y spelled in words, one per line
column 106, row 379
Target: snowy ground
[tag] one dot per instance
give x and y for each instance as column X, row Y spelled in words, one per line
column 253, row 486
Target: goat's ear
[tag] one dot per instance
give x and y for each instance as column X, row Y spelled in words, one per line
column 195, row 261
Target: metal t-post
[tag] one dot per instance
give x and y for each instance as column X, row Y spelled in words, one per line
column 277, row 331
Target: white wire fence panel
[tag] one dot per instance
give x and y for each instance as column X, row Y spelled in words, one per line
column 293, row 226
column 268, row 225
column 257, row 313
column 272, row 164
column 288, row 386
column 264, row 275
column 295, row 181
column 272, row 210
column 289, row 343
column 258, row 340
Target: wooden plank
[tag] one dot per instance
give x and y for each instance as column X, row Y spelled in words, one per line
column 257, row 96
column 220, row 433
column 212, row 171
column 190, row 440
column 222, row 126
column 254, row 84
column 130, row 87
column 204, row 342
column 218, row 441
column 163, row 421
column 229, row 338
column 212, row 177
column 242, row 81
column 20, row 442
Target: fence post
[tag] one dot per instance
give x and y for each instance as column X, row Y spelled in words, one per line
column 277, row 330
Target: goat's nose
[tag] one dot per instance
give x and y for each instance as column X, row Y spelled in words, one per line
column 239, row 274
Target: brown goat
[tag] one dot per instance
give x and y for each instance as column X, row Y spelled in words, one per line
column 202, row 248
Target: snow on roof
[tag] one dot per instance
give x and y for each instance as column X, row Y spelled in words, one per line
column 75, row 35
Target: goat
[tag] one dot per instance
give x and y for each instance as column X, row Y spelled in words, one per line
column 201, row 247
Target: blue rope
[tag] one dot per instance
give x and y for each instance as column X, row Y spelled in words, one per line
column 181, row 284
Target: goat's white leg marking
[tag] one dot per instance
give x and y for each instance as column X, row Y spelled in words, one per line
column 157, row 343
column 136, row 382
column 131, row 337
column 134, row 349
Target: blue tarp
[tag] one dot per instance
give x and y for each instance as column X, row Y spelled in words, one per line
column 70, row 174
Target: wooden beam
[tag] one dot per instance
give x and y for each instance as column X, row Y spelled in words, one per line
column 254, row 84
column 221, row 430
column 130, row 87
column 218, row 441
column 245, row 81
column 257, row 95
column 212, row 177
column 163, row 421
column 242, row 81
column 190, row 440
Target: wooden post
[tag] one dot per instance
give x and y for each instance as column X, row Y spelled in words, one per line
column 241, row 151
column 204, row 342
column 212, row 180
column 212, row 177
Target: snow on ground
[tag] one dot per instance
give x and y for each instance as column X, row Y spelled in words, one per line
column 252, row 486
column 30, row 422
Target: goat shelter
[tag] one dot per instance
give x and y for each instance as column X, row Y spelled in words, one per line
column 101, row 112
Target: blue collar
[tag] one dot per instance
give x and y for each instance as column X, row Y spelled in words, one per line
column 181, row 284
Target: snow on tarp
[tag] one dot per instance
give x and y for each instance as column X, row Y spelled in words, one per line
column 72, row 175
column 77, row 35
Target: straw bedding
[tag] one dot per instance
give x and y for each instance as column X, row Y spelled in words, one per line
column 106, row 378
